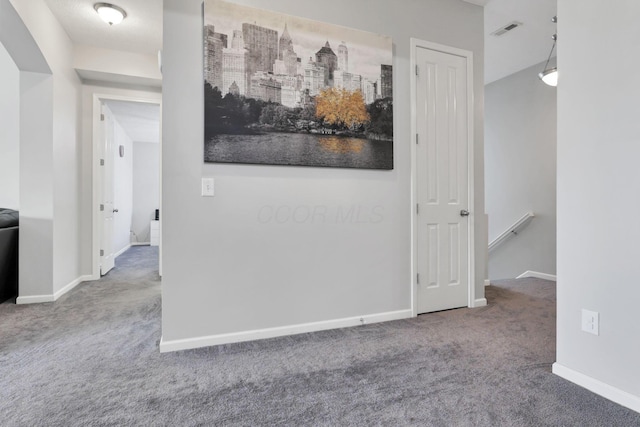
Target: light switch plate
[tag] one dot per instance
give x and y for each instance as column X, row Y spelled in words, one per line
column 208, row 187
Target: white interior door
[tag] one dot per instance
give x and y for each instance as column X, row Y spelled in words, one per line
column 107, row 256
column 442, row 181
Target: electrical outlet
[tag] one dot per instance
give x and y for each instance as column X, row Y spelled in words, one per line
column 591, row 322
column 208, row 187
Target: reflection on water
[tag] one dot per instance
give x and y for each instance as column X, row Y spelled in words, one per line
column 296, row 149
column 342, row 145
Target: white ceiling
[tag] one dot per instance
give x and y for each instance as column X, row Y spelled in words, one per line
column 140, row 120
column 522, row 47
column 140, row 32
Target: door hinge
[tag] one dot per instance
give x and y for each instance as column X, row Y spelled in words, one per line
column 417, row 208
column 101, row 162
column 101, row 208
column 417, row 139
column 102, row 117
column 418, row 278
column 101, row 252
column 417, row 72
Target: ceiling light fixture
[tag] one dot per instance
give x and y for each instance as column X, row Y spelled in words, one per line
column 110, row 13
column 550, row 75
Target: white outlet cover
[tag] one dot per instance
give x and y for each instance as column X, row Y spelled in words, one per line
column 591, row 322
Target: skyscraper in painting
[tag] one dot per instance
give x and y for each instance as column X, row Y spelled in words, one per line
column 313, row 77
column 234, row 65
column 265, row 88
column 327, row 58
column 286, row 53
column 262, row 46
column 386, row 81
column 214, row 43
column 343, row 57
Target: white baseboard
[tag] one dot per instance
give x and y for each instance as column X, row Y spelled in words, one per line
column 211, row 340
column 141, row 244
column 121, row 251
column 71, row 286
column 36, row 299
column 598, row 387
column 480, row 302
column 537, row 275
column 487, row 282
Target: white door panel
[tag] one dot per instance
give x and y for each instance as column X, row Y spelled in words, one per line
column 107, row 256
column 442, row 186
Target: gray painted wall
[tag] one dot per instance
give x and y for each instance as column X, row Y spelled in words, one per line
column 36, row 186
column 146, row 187
column 49, row 152
column 122, row 185
column 231, row 267
column 520, row 172
column 598, row 182
column 9, row 132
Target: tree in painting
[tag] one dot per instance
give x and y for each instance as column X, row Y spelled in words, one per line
column 342, row 108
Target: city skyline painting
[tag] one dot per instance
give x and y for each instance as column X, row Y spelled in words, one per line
column 283, row 90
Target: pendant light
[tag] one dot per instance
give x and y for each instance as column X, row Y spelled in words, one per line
column 550, row 75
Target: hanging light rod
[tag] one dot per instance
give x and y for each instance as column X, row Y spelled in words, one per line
column 110, row 13
column 549, row 76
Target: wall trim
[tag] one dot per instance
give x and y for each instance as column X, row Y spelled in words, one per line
column 598, row 387
column 70, row 286
column 121, row 251
column 480, row 302
column 487, row 282
column 258, row 334
column 36, row 299
column 141, row 244
column 537, row 275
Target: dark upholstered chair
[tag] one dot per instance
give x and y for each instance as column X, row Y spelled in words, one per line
column 8, row 254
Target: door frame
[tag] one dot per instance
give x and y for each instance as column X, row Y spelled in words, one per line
column 415, row 44
column 96, row 176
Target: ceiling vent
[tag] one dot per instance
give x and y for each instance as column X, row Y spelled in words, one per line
column 506, row 28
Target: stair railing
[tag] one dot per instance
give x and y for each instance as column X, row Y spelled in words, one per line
column 511, row 231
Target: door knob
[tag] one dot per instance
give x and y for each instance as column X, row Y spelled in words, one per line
column 116, row 210
column 464, row 212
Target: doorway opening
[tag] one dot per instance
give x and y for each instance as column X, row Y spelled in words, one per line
column 126, row 184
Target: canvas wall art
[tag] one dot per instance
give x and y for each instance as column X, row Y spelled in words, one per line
column 283, row 90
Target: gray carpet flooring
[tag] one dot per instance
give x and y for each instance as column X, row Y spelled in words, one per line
column 92, row 358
